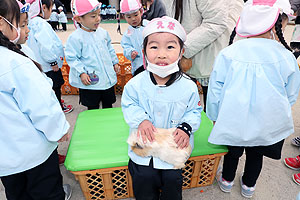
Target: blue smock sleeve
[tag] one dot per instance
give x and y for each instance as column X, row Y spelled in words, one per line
column 293, row 84
column 111, row 50
column 73, row 54
column 192, row 116
column 127, row 46
column 47, row 49
column 36, row 99
column 133, row 113
column 215, row 86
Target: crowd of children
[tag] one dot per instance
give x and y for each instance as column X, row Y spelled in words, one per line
column 255, row 80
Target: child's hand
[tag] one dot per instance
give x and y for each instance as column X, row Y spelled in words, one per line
column 117, row 68
column 55, row 68
column 85, row 79
column 181, row 138
column 134, row 54
column 64, row 138
column 146, row 130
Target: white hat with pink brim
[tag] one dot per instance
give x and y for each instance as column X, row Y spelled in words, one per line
column 259, row 16
column 82, row 7
column 130, row 6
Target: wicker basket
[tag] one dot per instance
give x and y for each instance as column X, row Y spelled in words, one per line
column 116, row 183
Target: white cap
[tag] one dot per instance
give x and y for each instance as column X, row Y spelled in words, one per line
column 60, row 8
column 259, row 16
column 165, row 24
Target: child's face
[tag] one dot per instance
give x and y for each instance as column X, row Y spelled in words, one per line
column 134, row 19
column 90, row 20
column 47, row 11
column 7, row 29
column 24, row 28
column 163, row 49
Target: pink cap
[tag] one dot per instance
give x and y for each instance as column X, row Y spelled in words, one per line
column 82, row 7
column 165, row 24
column 259, row 16
column 130, row 6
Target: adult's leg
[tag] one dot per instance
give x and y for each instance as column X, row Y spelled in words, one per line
column 146, row 181
column 231, row 161
column 204, row 88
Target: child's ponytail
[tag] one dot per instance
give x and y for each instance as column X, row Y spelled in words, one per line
column 278, row 29
column 4, row 41
column 233, row 33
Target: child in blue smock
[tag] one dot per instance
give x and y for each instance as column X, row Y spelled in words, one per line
column 46, row 45
column 161, row 97
column 29, row 130
column 91, row 57
column 132, row 40
column 251, row 90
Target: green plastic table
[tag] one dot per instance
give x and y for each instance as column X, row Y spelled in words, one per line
column 99, row 140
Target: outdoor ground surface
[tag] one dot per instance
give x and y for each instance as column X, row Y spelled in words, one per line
column 274, row 183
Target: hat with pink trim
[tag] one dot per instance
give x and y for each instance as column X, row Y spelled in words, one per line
column 24, row 8
column 35, row 8
column 259, row 16
column 165, row 24
column 130, row 6
column 82, row 7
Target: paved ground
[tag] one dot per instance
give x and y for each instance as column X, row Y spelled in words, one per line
column 275, row 182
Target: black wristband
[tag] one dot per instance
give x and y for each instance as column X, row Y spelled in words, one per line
column 185, row 127
column 53, row 63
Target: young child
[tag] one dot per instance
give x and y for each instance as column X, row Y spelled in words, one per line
column 62, row 18
column 46, row 45
column 161, row 97
column 29, row 130
column 251, row 90
column 91, row 57
column 132, row 40
column 54, row 20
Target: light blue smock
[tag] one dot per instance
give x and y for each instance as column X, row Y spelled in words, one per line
column 88, row 52
column 251, row 89
column 45, row 43
column 164, row 107
column 54, row 17
column 132, row 40
column 30, row 116
column 62, row 18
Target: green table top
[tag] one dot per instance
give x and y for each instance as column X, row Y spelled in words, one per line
column 99, row 140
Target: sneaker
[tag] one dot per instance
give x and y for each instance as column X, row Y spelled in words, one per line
column 61, row 159
column 224, row 185
column 293, row 163
column 296, row 178
column 296, row 141
column 62, row 101
column 245, row 190
column 67, row 108
column 68, row 191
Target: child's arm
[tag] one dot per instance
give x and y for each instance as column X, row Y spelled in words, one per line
column 215, row 86
column 135, row 116
column 37, row 100
column 73, row 54
column 48, row 42
column 128, row 49
column 111, row 50
column 293, row 84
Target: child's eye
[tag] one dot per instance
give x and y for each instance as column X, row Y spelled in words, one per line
column 171, row 47
column 153, row 47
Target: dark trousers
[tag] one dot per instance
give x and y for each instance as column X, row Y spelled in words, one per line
column 154, row 184
column 204, row 89
column 41, row 182
column 64, row 26
column 58, row 95
column 253, row 165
